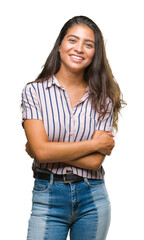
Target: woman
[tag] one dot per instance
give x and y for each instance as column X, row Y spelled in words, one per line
column 68, row 114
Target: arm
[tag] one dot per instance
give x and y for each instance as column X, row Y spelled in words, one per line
column 92, row 161
column 45, row 151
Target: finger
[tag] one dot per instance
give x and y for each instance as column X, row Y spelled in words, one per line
column 110, row 134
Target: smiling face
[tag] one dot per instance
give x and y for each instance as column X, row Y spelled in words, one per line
column 77, row 48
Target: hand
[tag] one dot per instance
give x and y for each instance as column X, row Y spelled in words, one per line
column 105, row 141
column 28, row 150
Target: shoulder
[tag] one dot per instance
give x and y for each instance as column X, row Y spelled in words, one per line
column 106, row 105
column 35, row 86
column 29, row 86
column 109, row 102
column 109, row 105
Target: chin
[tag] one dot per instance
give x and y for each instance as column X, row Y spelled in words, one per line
column 77, row 69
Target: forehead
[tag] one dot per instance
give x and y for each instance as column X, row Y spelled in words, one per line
column 81, row 31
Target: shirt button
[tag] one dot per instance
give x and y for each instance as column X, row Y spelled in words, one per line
column 71, row 115
column 71, row 133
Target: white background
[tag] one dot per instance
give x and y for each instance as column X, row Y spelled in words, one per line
column 28, row 31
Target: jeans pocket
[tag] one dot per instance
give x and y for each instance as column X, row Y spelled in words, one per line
column 41, row 193
column 40, row 186
column 94, row 183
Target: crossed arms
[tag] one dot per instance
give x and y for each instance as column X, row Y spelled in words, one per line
column 88, row 154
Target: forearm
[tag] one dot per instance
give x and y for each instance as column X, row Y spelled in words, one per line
column 45, row 151
column 63, row 152
column 92, row 161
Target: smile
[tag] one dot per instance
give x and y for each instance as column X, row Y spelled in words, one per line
column 76, row 57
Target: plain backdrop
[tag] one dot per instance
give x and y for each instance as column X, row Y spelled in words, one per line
column 28, row 31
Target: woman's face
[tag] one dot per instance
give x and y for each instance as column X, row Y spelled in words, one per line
column 77, row 48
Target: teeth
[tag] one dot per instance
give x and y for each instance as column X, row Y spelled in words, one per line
column 77, row 57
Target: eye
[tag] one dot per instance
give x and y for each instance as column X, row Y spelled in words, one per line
column 88, row 45
column 71, row 40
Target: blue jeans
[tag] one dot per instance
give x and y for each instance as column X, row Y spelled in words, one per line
column 83, row 208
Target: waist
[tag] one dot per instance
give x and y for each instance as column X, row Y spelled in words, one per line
column 65, row 178
column 61, row 168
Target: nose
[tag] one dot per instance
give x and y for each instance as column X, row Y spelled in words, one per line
column 79, row 47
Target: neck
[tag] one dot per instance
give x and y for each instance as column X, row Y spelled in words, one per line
column 70, row 79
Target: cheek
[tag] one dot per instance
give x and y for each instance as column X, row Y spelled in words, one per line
column 91, row 55
column 64, row 47
column 61, row 53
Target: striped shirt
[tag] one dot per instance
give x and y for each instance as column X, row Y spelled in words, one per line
column 49, row 102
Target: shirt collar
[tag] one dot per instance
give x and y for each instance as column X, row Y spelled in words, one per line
column 85, row 96
column 53, row 81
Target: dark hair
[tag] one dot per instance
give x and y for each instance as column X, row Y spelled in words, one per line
column 98, row 74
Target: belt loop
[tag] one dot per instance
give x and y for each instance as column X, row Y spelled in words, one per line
column 51, row 179
column 86, row 181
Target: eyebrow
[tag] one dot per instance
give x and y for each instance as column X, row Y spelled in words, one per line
column 87, row 40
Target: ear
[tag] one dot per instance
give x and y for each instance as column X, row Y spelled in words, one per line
column 59, row 48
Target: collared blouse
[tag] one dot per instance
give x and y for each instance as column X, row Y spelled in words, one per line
column 49, row 102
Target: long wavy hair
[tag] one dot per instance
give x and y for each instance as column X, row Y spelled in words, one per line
column 98, row 74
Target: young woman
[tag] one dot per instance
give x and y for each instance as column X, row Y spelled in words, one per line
column 68, row 115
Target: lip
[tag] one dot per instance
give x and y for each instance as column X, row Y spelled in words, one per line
column 76, row 58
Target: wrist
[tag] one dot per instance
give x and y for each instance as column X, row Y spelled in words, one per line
column 94, row 145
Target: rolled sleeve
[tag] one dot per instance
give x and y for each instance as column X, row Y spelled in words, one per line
column 105, row 123
column 30, row 103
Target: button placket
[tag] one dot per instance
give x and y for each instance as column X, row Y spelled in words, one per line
column 72, row 126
